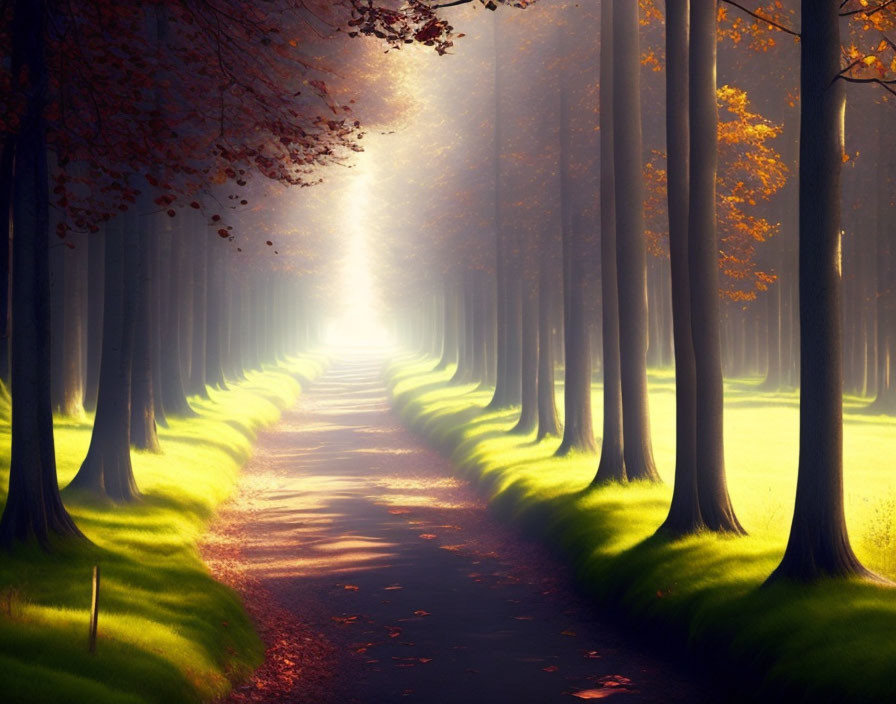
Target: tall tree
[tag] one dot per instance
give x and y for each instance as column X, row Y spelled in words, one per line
column 684, row 511
column 107, row 471
column 631, row 255
column 578, row 430
column 612, row 457
column 703, row 270
column 819, row 545
column 34, row 508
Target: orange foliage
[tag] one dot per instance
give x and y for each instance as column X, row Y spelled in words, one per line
column 751, row 171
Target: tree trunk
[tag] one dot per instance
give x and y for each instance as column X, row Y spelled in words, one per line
column 143, row 433
column 631, row 254
column 174, row 397
column 197, row 383
column 107, row 471
column 449, row 326
column 66, row 320
column 819, row 545
column 703, row 267
column 215, row 311
column 529, row 371
column 684, row 512
column 548, row 422
column 96, row 245
column 34, row 509
column 237, row 366
column 465, row 346
column 578, row 428
column 611, row 467
column 479, row 371
column 159, row 273
column 7, row 160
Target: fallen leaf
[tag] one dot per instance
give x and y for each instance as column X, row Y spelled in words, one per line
column 421, row 612
column 567, row 632
column 394, row 631
column 392, row 587
column 594, row 693
column 344, row 619
column 592, row 654
column 615, row 681
column 428, row 536
column 550, row 668
column 398, row 511
column 351, row 587
column 425, row 660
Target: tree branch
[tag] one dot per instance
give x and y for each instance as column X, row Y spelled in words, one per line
column 762, row 18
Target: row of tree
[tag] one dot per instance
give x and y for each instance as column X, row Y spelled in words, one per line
column 146, row 149
column 496, row 316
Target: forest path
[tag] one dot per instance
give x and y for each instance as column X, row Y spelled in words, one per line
column 377, row 576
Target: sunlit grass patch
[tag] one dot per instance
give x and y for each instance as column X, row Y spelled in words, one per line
column 828, row 642
column 168, row 632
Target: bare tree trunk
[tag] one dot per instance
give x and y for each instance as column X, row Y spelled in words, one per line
column 548, row 422
column 215, row 311
column 703, row 267
column 143, row 434
column 684, row 512
column 631, row 254
column 7, row 160
column 529, row 373
column 611, row 467
column 159, row 275
column 107, row 470
column 197, row 383
column 819, row 545
column 174, row 396
column 33, row 509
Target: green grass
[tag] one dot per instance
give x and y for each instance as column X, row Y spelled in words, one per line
column 168, row 632
column 833, row 641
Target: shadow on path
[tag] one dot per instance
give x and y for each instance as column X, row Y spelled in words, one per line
column 407, row 587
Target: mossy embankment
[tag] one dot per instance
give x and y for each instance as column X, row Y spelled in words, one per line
column 168, row 632
column 829, row 642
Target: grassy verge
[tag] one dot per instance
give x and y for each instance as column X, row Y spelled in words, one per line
column 829, row 642
column 168, row 632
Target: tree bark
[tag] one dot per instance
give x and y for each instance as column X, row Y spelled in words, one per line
column 71, row 397
column 578, row 429
column 818, row 545
column 631, row 254
column 143, row 433
column 528, row 420
column 703, row 268
column 684, row 512
column 96, row 245
column 465, row 344
column 7, row 159
column 216, row 312
column 548, row 422
column 174, row 397
column 159, row 274
column 449, row 326
column 107, row 470
column 197, row 383
column 611, row 467
column 34, row 509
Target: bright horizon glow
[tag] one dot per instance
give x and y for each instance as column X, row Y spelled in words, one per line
column 357, row 326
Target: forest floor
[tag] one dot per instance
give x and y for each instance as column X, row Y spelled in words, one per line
column 375, row 575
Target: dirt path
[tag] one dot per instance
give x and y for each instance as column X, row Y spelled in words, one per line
column 377, row 577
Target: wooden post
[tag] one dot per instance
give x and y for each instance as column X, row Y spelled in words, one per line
column 94, row 608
